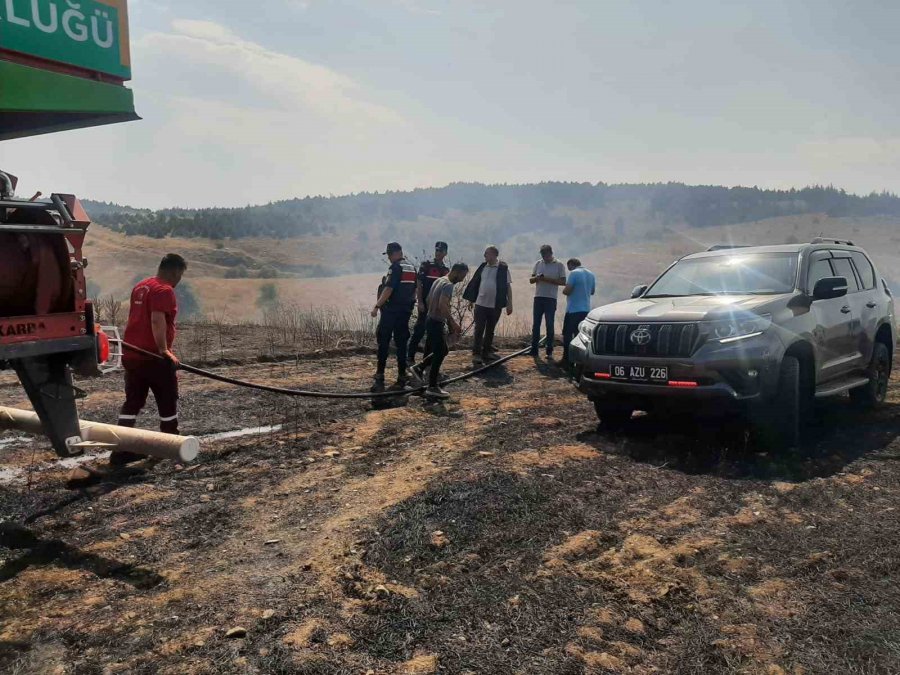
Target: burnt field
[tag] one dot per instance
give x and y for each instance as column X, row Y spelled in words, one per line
column 499, row 533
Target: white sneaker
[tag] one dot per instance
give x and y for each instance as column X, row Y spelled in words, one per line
column 436, row 392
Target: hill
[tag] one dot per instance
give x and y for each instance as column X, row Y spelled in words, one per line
column 342, row 235
column 115, row 259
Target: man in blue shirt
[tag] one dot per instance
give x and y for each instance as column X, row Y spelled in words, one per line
column 580, row 286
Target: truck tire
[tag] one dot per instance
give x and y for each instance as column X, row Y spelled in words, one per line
column 780, row 419
column 612, row 418
column 874, row 393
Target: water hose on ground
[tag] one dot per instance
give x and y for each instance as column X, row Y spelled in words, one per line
column 326, row 394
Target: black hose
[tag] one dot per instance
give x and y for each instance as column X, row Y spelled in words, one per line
column 323, row 394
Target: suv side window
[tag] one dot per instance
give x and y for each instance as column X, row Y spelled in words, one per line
column 865, row 269
column 843, row 268
column 818, row 269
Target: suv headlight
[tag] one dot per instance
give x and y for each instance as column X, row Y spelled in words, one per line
column 740, row 328
column 586, row 329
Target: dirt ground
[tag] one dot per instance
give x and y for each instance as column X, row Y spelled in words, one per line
column 498, row 533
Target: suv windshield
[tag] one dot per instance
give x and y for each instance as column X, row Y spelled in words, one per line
column 737, row 274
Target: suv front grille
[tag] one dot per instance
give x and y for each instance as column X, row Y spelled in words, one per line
column 665, row 339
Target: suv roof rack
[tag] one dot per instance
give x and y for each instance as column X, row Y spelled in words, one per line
column 832, row 240
column 722, row 247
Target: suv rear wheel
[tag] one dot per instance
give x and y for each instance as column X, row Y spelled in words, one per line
column 779, row 422
column 612, row 417
column 875, row 392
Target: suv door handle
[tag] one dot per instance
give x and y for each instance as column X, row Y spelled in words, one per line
column 871, row 304
column 845, row 309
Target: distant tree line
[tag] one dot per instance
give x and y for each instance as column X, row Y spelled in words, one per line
column 523, row 209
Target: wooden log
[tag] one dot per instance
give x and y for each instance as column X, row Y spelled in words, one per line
column 140, row 441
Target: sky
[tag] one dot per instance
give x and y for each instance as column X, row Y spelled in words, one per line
column 251, row 102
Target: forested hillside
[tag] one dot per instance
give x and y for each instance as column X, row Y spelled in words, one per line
column 531, row 207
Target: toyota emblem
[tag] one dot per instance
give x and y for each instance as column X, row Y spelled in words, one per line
column 640, row 336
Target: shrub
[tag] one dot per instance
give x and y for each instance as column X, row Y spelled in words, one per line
column 268, row 295
column 268, row 272
column 188, row 304
column 239, row 272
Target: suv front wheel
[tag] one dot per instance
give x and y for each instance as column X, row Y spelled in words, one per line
column 779, row 420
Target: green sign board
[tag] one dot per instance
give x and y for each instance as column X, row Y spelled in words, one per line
column 38, row 101
column 87, row 34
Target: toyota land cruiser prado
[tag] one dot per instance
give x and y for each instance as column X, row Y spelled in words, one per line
column 762, row 329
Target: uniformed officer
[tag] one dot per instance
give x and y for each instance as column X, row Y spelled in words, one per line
column 429, row 272
column 396, row 297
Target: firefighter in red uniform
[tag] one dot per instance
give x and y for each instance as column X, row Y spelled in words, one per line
column 429, row 272
column 396, row 296
column 151, row 326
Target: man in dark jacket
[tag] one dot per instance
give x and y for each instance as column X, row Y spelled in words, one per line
column 396, row 297
column 429, row 272
column 490, row 290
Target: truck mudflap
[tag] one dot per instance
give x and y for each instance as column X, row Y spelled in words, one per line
column 48, row 382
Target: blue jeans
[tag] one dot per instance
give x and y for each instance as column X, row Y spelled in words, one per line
column 544, row 308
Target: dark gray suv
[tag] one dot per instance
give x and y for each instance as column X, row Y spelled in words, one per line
column 762, row 330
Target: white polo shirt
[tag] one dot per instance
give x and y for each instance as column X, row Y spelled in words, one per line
column 550, row 270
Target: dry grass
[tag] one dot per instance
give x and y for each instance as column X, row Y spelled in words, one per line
column 287, row 331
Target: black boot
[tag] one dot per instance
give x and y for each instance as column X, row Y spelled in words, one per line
column 377, row 383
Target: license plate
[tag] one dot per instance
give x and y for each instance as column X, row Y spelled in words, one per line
column 632, row 373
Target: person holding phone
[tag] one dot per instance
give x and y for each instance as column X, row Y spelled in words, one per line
column 548, row 275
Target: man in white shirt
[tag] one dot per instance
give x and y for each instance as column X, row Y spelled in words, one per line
column 490, row 290
column 548, row 275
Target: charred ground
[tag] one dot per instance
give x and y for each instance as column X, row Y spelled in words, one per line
column 497, row 534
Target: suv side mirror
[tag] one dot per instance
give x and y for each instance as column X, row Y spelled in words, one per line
column 830, row 287
column 638, row 291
